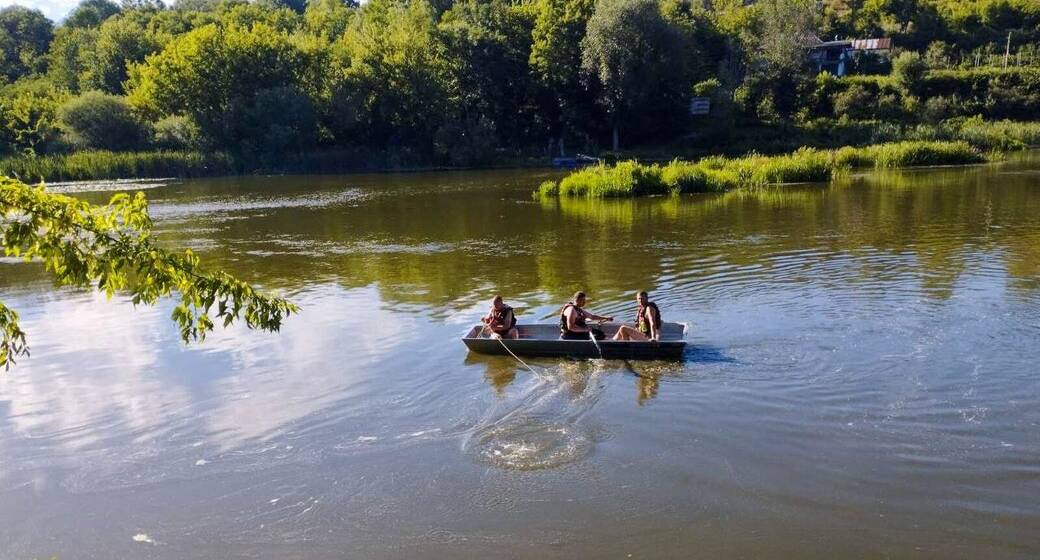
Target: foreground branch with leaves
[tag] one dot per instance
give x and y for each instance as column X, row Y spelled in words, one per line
column 111, row 247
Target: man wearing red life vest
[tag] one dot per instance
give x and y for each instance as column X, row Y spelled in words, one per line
column 501, row 320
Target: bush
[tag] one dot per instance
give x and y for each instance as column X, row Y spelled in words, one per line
column 176, row 133
column 101, row 121
column 940, row 108
column 996, row 135
column 853, row 103
column 909, row 70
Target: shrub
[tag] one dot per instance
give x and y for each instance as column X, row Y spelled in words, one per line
column 909, row 70
column 941, row 108
column 176, row 132
column 101, row 121
column 853, row 103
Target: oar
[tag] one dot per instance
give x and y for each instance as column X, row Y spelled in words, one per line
column 592, row 337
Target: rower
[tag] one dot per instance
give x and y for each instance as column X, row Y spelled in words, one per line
column 648, row 322
column 501, row 320
column 573, row 320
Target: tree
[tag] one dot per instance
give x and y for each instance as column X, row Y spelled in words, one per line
column 25, row 35
column 112, row 247
column 487, row 46
column 69, row 55
column 909, row 70
column 395, row 90
column 777, row 69
column 213, row 75
column 555, row 62
column 328, row 18
column 102, row 121
column 28, row 117
column 633, row 53
column 90, row 13
column 786, row 28
column 121, row 41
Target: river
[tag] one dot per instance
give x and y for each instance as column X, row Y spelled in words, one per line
column 861, row 381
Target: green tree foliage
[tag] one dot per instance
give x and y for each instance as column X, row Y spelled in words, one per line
column 90, row 13
column 214, row 74
column 328, row 18
column 28, row 117
column 909, row 70
column 636, row 57
column 101, row 121
column 69, row 56
column 121, row 41
column 112, row 248
column 24, row 37
column 455, row 81
column 487, row 45
column 394, row 92
column 559, row 27
column 176, row 132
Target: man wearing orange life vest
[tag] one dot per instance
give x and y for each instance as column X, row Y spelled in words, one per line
column 501, row 319
column 648, row 322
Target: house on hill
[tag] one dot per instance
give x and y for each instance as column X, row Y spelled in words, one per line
column 836, row 56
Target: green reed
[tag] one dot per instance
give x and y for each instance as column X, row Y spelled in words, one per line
column 719, row 174
column 99, row 164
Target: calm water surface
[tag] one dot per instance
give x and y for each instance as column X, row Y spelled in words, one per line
column 862, row 379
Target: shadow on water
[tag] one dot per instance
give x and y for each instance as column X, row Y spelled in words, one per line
column 706, row 354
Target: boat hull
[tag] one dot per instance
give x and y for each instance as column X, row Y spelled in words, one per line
column 544, row 341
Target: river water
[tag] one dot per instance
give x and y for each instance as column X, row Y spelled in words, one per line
column 861, row 382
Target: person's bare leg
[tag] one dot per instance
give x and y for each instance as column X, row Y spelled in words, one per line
column 627, row 333
column 514, row 333
column 633, row 335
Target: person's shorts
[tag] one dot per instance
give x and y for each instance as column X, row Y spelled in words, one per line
column 570, row 335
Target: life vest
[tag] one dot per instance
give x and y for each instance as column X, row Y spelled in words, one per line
column 655, row 317
column 498, row 317
column 580, row 321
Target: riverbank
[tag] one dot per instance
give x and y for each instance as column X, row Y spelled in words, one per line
column 984, row 136
column 718, row 174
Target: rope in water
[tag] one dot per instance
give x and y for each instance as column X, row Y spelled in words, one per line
column 503, row 343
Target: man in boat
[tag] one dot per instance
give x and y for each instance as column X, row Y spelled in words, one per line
column 501, row 320
column 573, row 320
column 648, row 322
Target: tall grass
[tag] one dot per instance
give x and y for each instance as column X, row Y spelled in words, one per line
column 995, row 135
column 97, row 164
column 718, row 174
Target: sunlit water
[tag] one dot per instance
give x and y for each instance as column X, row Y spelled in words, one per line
column 861, row 380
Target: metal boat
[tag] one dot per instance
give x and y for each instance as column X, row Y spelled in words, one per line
column 544, row 340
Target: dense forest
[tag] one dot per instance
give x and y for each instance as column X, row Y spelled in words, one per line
column 464, row 82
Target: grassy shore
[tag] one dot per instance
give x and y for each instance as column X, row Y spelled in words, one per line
column 717, row 173
column 982, row 135
column 115, row 165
